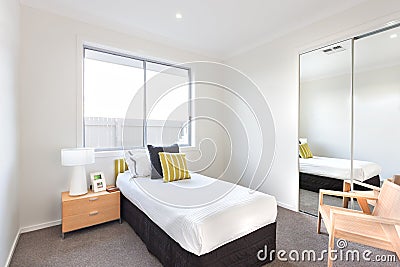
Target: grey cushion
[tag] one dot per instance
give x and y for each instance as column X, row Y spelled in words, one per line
column 156, row 169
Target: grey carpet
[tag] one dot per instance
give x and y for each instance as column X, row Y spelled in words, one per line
column 112, row 244
column 309, row 202
column 109, row 244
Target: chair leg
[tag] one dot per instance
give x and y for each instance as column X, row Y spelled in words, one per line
column 393, row 236
column 346, row 188
column 331, row 246
column 346, row 202
column 319, row 223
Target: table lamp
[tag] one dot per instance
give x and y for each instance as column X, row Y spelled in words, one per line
column 77, row 158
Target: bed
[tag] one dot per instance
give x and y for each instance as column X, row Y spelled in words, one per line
column 184, row 223
column 328, row 173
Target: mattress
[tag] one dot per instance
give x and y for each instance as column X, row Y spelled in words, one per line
column 201, row 213
column 339, row 168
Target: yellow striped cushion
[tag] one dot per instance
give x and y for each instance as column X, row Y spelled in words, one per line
column 305, row 151
column 174, row 166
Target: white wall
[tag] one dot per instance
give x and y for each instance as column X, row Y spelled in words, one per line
column 274, row 67
column 377, row 118
column 48, row 105
column 325, row 116
column 48, row 96
column 9, row 171
column 325, row 110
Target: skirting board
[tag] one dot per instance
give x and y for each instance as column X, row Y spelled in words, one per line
column 39, row 226
column 14, row 245
column 26, row 230
column 58, row 222
column 286, row 206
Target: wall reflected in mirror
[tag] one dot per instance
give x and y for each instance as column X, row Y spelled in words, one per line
column 327, row 104
column 325, row 122
column 377, row 102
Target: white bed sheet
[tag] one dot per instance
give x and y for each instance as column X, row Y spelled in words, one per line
column 192, row 217
column 339, row 168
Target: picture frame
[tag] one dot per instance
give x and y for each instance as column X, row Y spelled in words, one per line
column 98, row 181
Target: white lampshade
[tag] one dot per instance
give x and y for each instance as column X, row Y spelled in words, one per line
column 77, row 156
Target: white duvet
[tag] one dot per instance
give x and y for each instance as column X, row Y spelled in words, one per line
column 200, row 213
column 339, row 168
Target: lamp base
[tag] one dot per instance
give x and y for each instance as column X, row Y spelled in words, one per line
column 78, row 183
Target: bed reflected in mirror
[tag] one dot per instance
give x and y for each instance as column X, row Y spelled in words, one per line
column 325, row 122
column 377, row 100
column 349, row 120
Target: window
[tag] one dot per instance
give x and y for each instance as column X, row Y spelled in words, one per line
column 129, row 102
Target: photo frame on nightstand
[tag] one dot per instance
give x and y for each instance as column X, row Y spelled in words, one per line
column 98, row 181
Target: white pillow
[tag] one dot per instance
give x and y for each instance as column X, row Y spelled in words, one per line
column 303, row 140
column 138, row 164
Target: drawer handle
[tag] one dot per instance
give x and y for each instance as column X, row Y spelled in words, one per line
column 93, row 198
column 93, row 213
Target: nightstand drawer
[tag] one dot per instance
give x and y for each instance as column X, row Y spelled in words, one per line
column 90, row 203
column 92, row 217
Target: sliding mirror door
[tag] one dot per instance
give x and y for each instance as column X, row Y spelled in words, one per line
column 377, row 106
column 325, row 122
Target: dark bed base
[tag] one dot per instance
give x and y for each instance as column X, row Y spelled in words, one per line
column 314, row 183
column 240, row 252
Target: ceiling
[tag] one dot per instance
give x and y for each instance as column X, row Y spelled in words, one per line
column 215, row 28
column 372, row 52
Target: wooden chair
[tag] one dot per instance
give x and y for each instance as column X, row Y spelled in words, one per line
column 373, row 192
column 377, row 229
column 374, row 189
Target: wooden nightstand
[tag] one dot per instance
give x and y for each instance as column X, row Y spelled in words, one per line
column 90, row 209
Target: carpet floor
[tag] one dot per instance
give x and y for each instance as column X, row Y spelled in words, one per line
column 114, row 244
column 309, row 202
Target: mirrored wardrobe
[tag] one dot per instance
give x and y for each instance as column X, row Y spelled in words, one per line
column 349, row 121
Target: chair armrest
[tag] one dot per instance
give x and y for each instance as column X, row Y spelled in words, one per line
column 347, row 194
column 364, row 217
column 372, row 187
column 358, row 194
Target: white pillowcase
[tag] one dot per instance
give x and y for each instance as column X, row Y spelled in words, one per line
column 303, row 140
column 138, row 164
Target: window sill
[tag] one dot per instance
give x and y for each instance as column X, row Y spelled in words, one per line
column 188, row 148
column 109, row 154
column 120, row 153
